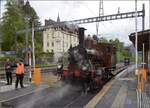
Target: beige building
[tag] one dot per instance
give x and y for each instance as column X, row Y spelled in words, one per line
column 59, row 37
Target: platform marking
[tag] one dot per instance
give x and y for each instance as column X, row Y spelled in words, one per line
column 100, row 95
column 126, row 79
column 71, row 102
column 102, row 92
column 120, row 98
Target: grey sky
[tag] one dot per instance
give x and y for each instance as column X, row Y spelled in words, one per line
column 69, row 10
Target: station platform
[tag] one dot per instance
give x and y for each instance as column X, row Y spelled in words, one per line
column 8, row 92
column 121, row 92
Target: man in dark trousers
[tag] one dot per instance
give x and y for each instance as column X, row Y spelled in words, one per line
column 60, row 71
column 8, row 70
column 19, row 74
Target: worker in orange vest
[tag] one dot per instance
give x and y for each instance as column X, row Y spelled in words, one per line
column 19, row 74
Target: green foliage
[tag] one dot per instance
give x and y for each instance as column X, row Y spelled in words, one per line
column 5, row 58
column 31, row 15
column 103, row 40
column 15, row 19
column 122, row 51
column 12, row 22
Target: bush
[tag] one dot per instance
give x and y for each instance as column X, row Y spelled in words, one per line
column 3, row 59
column 6, row 57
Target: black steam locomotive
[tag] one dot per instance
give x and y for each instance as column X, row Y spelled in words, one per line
column 90, row 62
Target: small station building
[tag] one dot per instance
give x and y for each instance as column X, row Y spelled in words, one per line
column 143, row 40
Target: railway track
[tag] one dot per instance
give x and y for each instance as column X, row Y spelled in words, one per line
column 60, row 97
column 43, row 70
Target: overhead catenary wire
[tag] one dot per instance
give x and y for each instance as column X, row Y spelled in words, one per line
column 136, row 38
column 139, row 103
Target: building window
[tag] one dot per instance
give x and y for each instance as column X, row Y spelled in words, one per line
column 47, row 44
column 52, row 43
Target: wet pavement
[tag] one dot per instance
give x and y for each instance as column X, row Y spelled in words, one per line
column 123, row 92
column 64, row 96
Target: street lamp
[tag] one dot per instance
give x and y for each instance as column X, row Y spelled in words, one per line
column 0, row 23
column 28, row 50
column 27, row 19
column 33, row 52
column 33, row 47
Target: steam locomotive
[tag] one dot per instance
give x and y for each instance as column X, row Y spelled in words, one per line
column 90, row 62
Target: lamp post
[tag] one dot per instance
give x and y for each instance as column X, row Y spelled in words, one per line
column 33, row 47
column 30, row 64
column 149, row 40
column 0, row 23
column 28, row 48
column 26, row 39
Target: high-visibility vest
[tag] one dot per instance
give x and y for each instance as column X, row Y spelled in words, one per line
column 20, row 68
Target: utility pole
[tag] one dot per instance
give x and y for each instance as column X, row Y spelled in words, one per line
column 30, row 64
column 143, row 55
column 0, row 23
column 33, row 48
column 136, row 37
column 101, row 13
column 26, row 43
column 0, row 11
column 149, row 39
column 143, row 17
column 139, row 94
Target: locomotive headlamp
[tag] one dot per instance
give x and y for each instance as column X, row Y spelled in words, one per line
column 84, row 68
column 59, row 66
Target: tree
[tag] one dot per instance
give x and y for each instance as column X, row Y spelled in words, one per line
column 30, row 13
column 103, row 40
column 12, row 21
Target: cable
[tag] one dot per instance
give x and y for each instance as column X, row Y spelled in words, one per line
column 89, row 9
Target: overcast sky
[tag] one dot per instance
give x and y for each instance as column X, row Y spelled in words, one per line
column 69, row 10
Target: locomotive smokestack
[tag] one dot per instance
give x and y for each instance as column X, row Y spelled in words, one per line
column 81, row 36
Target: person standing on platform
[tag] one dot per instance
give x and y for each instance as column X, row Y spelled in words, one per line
column 8, row 70
column 59, row 71
column 19, row 74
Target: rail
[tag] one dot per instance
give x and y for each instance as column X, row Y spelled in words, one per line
column 43, row 70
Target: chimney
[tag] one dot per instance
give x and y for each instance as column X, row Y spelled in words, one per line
column 81, row 35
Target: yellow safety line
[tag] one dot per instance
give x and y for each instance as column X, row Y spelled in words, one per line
column 100, row 95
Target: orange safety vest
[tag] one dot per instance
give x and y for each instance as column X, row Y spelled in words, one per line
column 20, row 68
